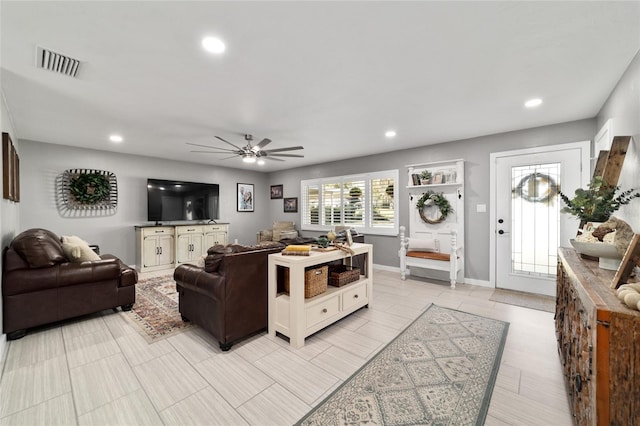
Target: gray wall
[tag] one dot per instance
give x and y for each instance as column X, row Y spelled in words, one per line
column 9, row 213
column 623, row 108
column 43, row 163
column 474, row 151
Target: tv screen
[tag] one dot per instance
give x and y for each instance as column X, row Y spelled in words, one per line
column 176, row 200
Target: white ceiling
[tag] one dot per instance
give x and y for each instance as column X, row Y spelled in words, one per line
column 331, row 76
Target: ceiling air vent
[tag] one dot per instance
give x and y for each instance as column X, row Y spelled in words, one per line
column 52, row 61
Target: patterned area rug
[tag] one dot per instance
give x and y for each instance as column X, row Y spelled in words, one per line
column 155, row 313
column 526, row 300
column 439, row 371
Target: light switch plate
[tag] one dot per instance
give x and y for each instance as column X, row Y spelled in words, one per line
column 481, row 208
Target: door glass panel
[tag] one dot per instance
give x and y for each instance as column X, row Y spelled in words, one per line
column 535, row 219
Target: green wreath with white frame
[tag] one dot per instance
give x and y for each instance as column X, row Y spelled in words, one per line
column 90, row 188
column 439, row 201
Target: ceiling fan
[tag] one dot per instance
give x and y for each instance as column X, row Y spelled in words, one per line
column 251, row 153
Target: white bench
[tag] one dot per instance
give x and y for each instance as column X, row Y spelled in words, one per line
column 426, row 254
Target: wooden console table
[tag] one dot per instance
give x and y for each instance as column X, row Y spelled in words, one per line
column 296, row 317
column 599, row 344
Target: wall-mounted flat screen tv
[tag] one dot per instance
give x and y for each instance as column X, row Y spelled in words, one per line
column 170, row 200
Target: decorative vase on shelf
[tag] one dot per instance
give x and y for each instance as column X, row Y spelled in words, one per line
column 331, row 236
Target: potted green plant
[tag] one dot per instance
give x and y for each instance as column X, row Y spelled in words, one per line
column 597, row 202
column 425, row 177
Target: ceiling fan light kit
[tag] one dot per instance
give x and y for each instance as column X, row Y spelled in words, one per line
column 250, row 153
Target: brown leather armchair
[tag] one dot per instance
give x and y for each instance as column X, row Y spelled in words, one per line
column 228, row 298
column 40, row 285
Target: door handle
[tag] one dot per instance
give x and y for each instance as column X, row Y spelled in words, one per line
column 502, row 232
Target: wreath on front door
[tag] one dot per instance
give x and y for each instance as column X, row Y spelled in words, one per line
column 438, row 201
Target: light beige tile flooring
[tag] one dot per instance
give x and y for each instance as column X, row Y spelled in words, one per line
column 99, row 370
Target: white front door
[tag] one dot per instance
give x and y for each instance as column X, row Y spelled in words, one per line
column 527, row 225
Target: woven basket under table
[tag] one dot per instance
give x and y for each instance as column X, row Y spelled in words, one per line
column 315, row 281
column 340, row 275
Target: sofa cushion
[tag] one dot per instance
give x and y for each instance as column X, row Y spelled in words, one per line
column 73, row 239
column 40, row 248
column 216, row 253
column 420, row 244
column 214, row 257
column 266, row 235
column 79, row 252
column 280, row 227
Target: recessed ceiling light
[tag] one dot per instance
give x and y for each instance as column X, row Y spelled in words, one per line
column 213, row 45
column 390, row 133
column 532, row 103
column 115, row 138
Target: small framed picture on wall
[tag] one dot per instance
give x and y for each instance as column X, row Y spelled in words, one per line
column 276, row 192
column 291, row 205
column 245, row 197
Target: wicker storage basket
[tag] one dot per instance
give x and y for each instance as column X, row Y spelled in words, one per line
column 315, row 281
column 340, row 275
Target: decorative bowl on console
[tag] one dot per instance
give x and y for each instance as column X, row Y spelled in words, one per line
column 608, row 255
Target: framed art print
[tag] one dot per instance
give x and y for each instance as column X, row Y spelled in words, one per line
column 10, row 170
column 276, row 192
column 245, row 197
column 291, row 205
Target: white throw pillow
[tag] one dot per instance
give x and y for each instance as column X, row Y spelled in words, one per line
column 79, row 252
column 73, row 240
column 419, row 244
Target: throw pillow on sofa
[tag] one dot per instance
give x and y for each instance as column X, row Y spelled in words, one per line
column 78, row 250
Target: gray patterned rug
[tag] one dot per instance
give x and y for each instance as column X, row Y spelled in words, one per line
column 439, row 371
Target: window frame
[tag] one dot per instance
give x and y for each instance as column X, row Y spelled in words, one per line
column 368, row 227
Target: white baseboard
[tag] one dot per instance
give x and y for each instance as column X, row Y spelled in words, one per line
column 480, row 283
column 386, row 268
column 470, row 281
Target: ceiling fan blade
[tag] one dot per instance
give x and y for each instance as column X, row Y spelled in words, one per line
column 209, row 146
column 235, row 146
column 272, row 158
column 264, row 142
column 215, row 152
column 286, row 155
column 291, row 148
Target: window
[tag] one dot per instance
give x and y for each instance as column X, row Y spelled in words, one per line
column 365, row 202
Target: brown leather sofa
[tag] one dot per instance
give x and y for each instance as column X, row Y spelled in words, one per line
column 228, row 298
column 40, row 285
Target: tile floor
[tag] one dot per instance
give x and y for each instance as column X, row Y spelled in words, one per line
column 99, row 370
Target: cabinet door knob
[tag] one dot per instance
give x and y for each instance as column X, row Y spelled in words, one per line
column 355, row 296
column 324, row 311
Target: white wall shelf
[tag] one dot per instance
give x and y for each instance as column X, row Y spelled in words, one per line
column 453, row 191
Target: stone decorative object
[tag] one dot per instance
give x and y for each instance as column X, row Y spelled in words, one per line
column 629, row 294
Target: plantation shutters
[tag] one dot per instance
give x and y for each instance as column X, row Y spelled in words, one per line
column 364, row 202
